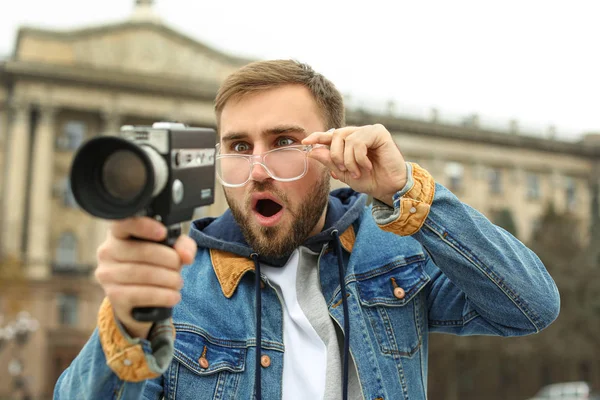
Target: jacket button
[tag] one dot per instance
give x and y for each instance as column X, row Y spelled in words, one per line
column 399, row 293
column 265, row 361
column 203, row 362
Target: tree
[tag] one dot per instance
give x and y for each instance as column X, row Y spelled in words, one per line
column 504, row 219
column 557, row 240
column 559, row 244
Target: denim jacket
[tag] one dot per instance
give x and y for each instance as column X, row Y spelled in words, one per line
column 456, row 273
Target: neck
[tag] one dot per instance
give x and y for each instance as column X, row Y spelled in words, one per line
column 320, row 223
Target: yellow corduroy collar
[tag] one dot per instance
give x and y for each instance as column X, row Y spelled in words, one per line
column 230, row 268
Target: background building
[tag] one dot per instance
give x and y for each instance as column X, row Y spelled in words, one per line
column 60, row 88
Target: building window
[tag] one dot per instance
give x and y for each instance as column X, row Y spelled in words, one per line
column 72, row 136
column 66, row 252
column 454, row 173
column 67, row 195
column 62, row 190
column 571, row 194
column 68, row 305
column 495, row 180
column 533, row 187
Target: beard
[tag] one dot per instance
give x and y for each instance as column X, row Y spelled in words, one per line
column 280, row 241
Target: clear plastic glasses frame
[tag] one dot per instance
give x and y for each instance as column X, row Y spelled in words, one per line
column 284, row 164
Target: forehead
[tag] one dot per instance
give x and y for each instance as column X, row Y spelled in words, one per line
column 262, row 111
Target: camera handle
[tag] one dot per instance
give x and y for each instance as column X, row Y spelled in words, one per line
column 155, row 314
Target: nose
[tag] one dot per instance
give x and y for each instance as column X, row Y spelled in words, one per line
column 258, row 172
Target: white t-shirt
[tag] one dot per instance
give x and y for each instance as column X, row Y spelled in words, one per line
column 305, row 359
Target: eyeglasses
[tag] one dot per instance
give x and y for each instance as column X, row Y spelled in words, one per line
column 284, row 164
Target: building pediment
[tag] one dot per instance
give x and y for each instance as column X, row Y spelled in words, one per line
column 147, row 48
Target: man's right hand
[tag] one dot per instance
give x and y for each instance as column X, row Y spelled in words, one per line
column 141, row 273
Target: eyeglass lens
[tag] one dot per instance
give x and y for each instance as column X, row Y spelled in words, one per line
column 283, row 163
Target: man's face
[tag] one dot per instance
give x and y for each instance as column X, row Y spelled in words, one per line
column 275, row 217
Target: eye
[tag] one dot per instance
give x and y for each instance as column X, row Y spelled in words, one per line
column 284, row 141
column 240, row 147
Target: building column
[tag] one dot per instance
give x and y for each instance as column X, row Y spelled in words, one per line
column 515, row 193
column 3, row 153
column 111, row 123
column 3, row 171
column 40, row 205
column 557, row 190
column 594, row 185
column 478, row 186
column 16, row 180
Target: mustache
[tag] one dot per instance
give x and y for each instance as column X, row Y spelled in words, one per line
column 266, row 186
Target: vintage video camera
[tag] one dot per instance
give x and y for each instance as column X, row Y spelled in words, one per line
column 165, row 171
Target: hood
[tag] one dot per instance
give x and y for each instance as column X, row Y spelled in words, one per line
column 223, row 233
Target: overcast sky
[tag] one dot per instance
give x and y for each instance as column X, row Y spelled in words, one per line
column 535, row 61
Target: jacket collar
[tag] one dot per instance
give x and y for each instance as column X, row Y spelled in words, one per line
column 230, row 268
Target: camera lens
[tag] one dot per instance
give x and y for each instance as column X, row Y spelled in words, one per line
column 113, row 178
column 124, row 175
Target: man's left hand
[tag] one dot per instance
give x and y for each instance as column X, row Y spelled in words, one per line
column 366, row 158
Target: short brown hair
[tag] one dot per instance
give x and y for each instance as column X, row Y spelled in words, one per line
column 263, row 75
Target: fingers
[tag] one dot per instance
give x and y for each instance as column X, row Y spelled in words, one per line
column 183, row 252
column 111, row 274
column 318, row 138
column 139, row 251
column 336, row 151
column 120, row 247
column 186, row 248
column 126, row 297
column 138, row 274
column 139, row 227
column 362, row 158
column 325, row 137
column 348, row 150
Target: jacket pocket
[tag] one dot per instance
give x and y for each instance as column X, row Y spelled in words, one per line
column 392, row 298
column 205, row 367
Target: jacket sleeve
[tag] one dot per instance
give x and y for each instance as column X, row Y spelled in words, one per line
column 483, row 279
column 112, row 365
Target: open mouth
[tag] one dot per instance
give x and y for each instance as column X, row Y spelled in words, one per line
column 267, row 207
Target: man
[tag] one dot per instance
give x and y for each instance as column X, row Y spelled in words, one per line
column 296, row 293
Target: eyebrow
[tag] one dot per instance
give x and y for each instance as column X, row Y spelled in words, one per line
column 277, row 130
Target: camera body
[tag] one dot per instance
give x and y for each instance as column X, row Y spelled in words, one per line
column 189, row 154
column 164, row 171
